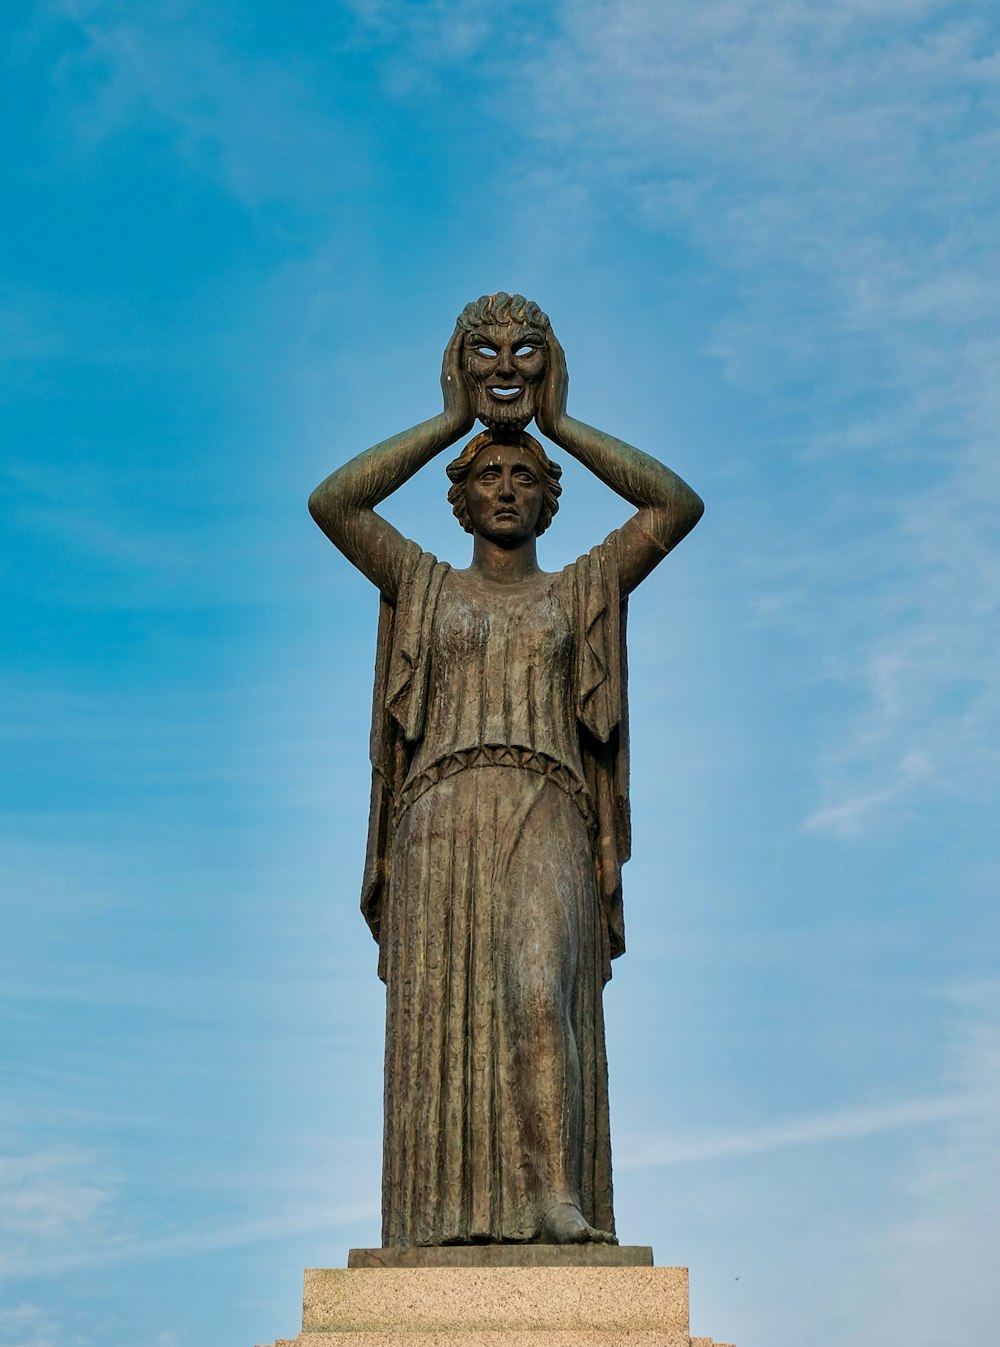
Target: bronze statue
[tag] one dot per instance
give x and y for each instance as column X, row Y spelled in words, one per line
column 499, row 815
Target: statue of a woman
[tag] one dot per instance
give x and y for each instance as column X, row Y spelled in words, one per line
column 499, row 817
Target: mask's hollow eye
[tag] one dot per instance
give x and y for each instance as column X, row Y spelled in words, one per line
column 525, row 350
column 486, row 350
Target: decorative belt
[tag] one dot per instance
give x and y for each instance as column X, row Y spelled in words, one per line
column 497, row 755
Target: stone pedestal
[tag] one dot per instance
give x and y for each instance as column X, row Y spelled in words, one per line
column 610, row 1299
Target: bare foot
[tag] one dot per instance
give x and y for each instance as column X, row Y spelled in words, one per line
column 564, row 1223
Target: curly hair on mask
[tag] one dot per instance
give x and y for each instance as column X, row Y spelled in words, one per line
column 502, row 308
column 459, row 468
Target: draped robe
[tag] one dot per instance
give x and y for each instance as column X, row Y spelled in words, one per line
column 499, row 823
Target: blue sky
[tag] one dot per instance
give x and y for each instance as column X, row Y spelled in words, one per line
column 235, row 240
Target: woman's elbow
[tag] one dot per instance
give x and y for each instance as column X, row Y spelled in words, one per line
column 329, row 503
column 317, row 504
column 687, row 509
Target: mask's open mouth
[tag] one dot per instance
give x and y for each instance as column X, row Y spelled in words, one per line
column 506, row 394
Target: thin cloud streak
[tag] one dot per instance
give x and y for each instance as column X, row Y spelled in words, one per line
column 190, row 1243
column 97, row 1248
column 850, row 817
column 821, row 1129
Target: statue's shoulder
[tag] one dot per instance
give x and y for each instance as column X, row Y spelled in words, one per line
column 416, row 571
column 599, row 567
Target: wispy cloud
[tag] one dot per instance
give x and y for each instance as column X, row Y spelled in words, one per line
column 850, row 817
column 831, row 163
column 27, row 1325
column 429, row 33
column 51, row 1198
column 933, row 1274
column 819, row 1129
column 190, row 1243
column 60, row 1209
column 250, row 122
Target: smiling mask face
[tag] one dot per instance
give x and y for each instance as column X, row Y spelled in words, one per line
column 505, row 363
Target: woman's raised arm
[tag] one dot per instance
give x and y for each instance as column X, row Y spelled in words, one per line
column 667, row 508
column 344, row 504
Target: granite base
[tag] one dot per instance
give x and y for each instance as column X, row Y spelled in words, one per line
column 486, row 1305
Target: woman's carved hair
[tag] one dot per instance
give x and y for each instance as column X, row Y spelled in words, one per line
column 502, row 308
column 458, row 470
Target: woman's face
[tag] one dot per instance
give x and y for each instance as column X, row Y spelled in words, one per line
column 505, row 363
column 504, row 494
